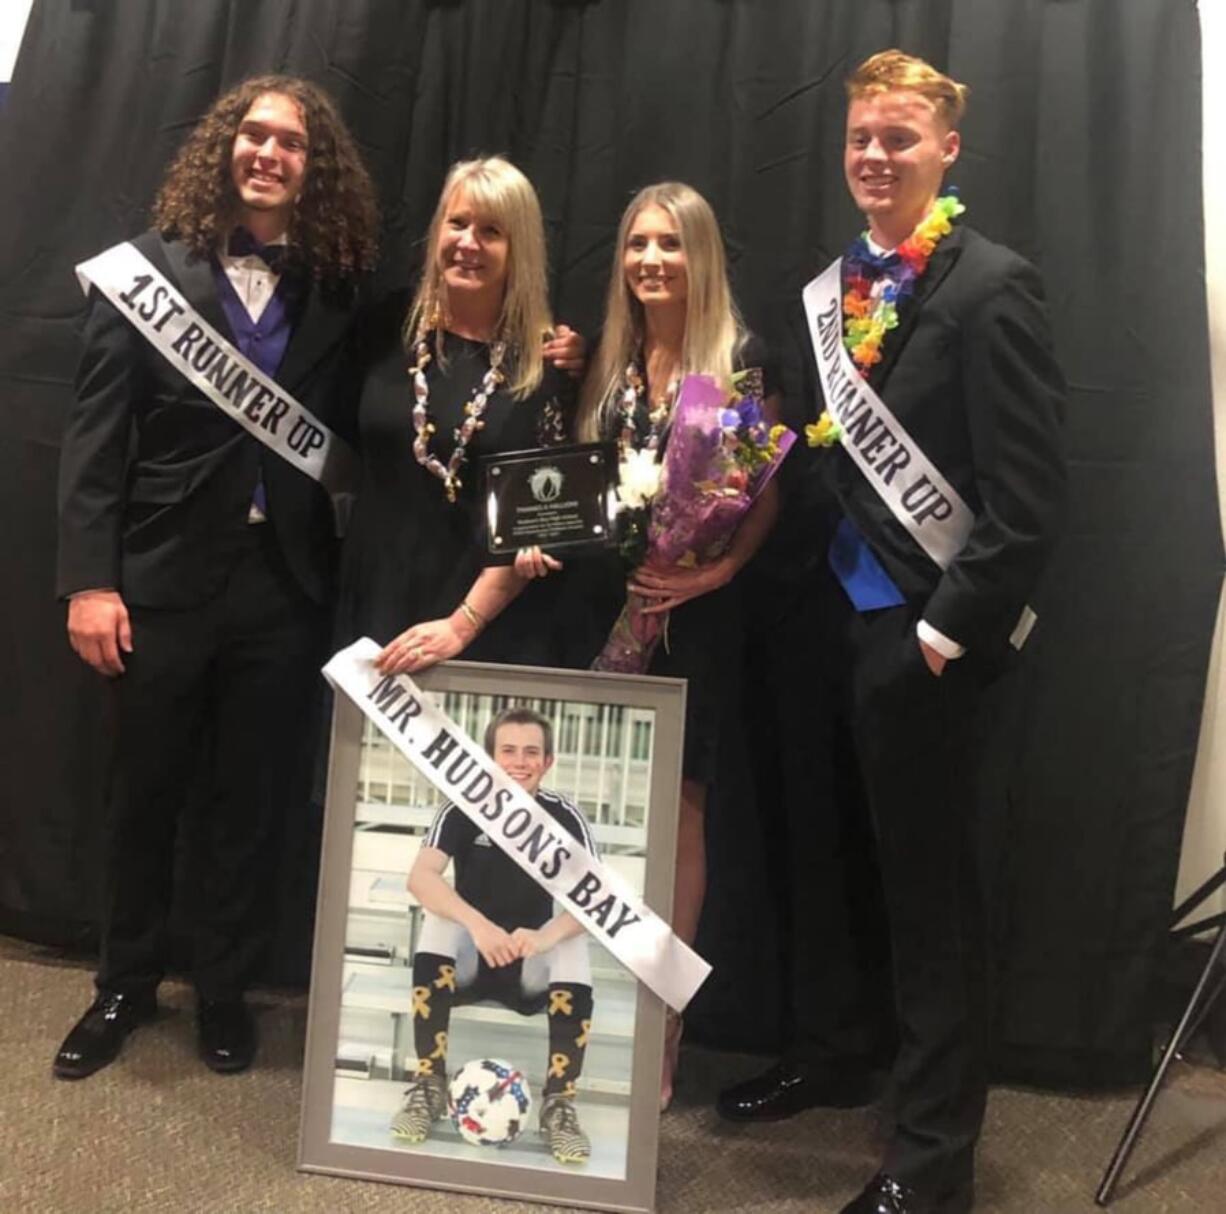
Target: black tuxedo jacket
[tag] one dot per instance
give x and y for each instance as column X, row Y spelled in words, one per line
column 971, row 375
column 156, row 481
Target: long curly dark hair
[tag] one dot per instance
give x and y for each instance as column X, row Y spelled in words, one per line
column 334, row 229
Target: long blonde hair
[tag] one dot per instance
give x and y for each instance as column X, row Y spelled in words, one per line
column 497, row 191
column 713, row 328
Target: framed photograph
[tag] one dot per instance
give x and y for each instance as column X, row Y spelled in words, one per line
column 549, row 1066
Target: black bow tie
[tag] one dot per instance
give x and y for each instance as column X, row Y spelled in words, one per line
column 243, row 244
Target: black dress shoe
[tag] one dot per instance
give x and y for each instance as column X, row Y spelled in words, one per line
column 97, row 1038
column 789, row 1088
column 884, row 1195
column 225, row 1034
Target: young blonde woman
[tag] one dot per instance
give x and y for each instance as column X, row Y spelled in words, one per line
column 669, row 313
column 469, row 372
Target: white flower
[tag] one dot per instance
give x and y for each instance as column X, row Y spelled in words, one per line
column 638, row 479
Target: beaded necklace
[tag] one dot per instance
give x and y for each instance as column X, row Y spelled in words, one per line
column 632, row 399
column 449, row 473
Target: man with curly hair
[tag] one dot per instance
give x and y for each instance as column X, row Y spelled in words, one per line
column 196, row 561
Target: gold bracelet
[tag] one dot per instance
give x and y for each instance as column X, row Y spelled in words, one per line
column 472, row 615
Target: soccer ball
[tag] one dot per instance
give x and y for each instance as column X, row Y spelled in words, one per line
column 489, row 1102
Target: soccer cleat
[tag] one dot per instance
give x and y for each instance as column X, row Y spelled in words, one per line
column 425, row 1101
column 561, row 1130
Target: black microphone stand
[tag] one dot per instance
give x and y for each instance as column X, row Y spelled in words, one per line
column 1198, row 1008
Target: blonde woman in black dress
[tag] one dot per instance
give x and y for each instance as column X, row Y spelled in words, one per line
column 469, row 355
column 669, row 313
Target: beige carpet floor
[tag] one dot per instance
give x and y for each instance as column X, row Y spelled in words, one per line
column 157, row 1132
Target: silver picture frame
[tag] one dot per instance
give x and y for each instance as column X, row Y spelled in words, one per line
column 617, row 742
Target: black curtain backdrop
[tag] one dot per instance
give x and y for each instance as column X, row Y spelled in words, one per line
column 1082, row 151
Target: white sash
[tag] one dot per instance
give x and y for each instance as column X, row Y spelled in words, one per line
column 918, row 496
column 162, row 316
column 596, row 896
column 893, row 463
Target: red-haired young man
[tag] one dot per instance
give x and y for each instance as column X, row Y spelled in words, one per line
column 928, row 349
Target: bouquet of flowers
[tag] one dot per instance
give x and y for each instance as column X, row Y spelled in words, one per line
column 721, row 452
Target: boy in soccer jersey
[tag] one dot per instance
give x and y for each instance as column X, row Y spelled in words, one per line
column 495, row 936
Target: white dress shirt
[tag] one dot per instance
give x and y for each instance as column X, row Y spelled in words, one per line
column 253, row 282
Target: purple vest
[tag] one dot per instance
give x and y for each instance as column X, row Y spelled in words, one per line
column 264, row 341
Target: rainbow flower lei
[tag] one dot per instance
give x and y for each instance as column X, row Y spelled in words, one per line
column 876, row 286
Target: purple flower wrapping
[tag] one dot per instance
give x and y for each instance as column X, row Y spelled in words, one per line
column 714, row 468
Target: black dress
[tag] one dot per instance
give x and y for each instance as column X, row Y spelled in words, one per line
column 410, row 554
column 702, row 641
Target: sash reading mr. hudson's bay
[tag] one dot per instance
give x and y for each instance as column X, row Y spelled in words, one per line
column 512, row 820
column 164, row 318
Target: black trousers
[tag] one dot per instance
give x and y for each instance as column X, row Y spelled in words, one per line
column 215, row 712
column 817, row 832
column 919, row 741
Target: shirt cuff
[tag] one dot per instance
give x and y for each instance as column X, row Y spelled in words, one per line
column 947, row 648
column 76, row 594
